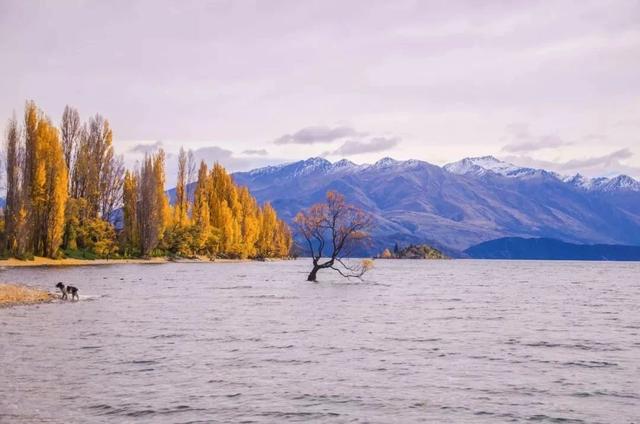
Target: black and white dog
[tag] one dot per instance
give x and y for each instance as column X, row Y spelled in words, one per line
column 66, row 290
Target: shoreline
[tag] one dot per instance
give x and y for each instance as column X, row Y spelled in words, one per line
column 40, row 261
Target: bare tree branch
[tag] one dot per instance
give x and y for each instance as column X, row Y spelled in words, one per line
column 340, row 226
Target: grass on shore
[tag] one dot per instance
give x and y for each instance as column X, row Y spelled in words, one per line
column 17, row 294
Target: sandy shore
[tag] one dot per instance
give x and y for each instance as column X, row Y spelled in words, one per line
column 40, row 261
column 19, row 294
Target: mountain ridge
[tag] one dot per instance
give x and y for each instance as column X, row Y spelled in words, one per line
column 414, row 201
column 470, row 166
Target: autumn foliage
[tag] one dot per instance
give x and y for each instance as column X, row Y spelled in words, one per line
column 223, row 220
column 68, row 193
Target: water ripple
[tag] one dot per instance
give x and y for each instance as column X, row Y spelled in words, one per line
column 418, row 341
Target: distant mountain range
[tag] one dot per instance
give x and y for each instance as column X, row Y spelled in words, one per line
column 482, row 165
column 461, row 204
column 550, row 249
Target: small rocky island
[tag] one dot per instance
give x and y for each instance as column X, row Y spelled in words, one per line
column 413, row 251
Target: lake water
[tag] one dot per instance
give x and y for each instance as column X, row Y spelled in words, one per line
column 417, row 341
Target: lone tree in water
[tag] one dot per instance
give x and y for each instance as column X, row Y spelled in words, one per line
column 334, row 228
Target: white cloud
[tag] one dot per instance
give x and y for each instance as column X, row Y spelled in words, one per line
column 317, row 134
column 257, row 152
column 609, row 164
column 446, row 77
column 146, row 147
column 373, row 145
column 522, row 141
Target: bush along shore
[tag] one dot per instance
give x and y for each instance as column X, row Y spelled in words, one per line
column 19, row 294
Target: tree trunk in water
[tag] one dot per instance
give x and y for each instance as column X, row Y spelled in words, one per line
column 313, row 273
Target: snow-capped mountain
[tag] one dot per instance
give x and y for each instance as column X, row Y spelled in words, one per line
column 309, row 166
column 320, row 165
column 461, row 204
column 479, row 166
column 470, row 167
column 579, row 180
column 603, row 184
column 620, row 183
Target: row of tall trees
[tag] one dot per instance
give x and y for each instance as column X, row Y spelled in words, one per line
column 216, row 218
column 67, row 191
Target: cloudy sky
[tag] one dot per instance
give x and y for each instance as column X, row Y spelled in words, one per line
column 554, row 84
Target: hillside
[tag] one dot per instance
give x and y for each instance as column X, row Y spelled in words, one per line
column 459, row 205
column 550, row 249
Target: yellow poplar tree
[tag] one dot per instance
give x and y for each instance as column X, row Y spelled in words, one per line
column 250, row 224
column 57, row 180
column 201, row 217
column 181, row 207
column 14, row 198
column 47, row 183
column 284, row 239
column 224, row 222
column 268, row 223
column 130, row 203
column 164, row 212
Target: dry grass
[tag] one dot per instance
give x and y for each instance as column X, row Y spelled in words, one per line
column 17, row 294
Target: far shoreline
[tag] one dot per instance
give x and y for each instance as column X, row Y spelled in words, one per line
column 42, row 262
